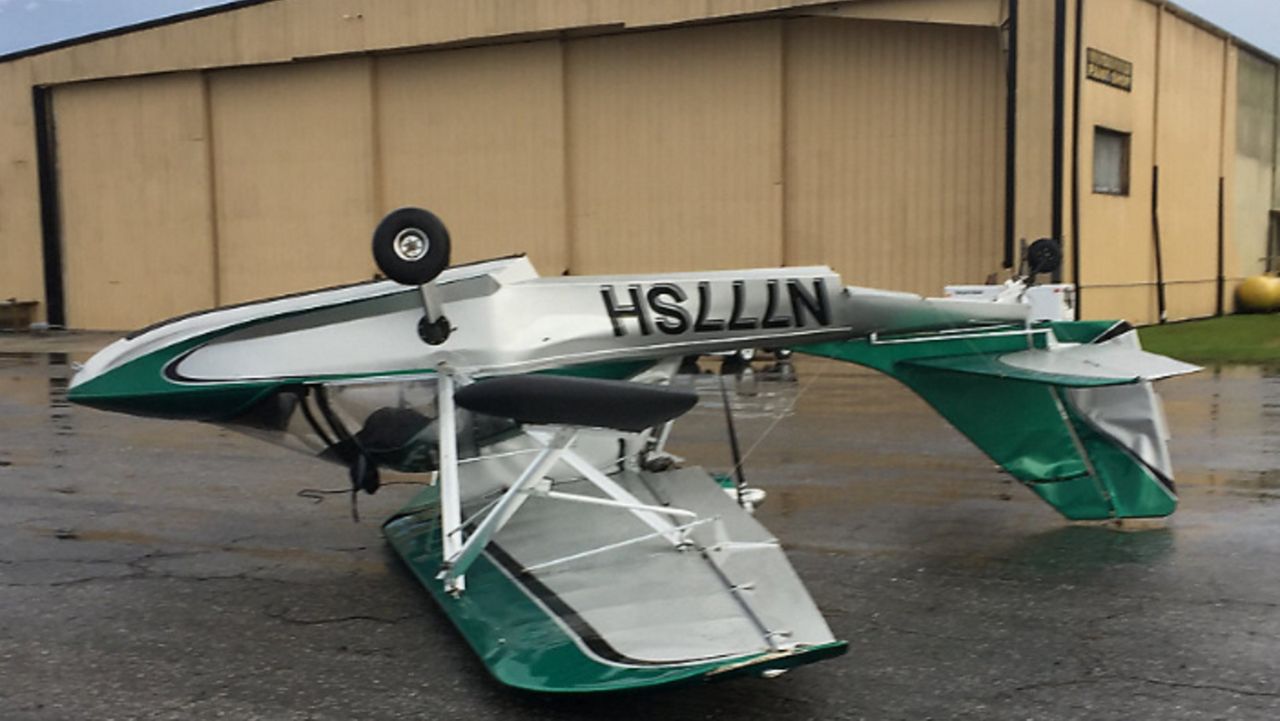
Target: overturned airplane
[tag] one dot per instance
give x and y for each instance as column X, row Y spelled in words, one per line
column 571, row 550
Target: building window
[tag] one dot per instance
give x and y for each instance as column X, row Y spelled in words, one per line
column 1110, row 161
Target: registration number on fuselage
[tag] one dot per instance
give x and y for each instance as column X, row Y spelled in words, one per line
column 670, row 309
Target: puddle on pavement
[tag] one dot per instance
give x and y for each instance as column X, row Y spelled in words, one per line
column 1225, row 423
column 38, row 378
column 36, row 383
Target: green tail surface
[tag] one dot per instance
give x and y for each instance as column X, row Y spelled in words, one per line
column 1034, row 424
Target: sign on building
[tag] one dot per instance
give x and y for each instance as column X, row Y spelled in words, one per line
column 1109, row 70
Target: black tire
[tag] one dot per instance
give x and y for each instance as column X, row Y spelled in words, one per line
column 411, row 246
column 1044, row 256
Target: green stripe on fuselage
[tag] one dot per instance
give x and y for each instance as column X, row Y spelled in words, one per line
column 140, row 386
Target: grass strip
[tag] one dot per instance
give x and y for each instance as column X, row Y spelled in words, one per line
column 1230, row 339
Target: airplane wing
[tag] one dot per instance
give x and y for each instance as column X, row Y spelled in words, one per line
column 1067, row 408
column 572, row 595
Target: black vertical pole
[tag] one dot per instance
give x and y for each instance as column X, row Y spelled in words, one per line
column 1075, row 157
column 50, row 212
column 1222, row 279
column 738, row 473
column 1011, row 134
column 1155, row 236
column 1059, row 103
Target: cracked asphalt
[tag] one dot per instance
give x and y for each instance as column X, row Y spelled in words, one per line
column 153, row 570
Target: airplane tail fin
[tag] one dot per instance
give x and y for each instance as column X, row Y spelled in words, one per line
column 1067, row 408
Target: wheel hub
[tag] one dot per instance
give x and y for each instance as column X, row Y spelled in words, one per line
column 410, row 244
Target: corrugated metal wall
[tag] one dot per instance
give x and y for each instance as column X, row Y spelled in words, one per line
column 1033, row 155
column 283, row 31
column 1117, row 251
column 895, row 136
column 134, row 169
column 675, row 149
column 1256, row 148
column 1177, row 113
column 732, row 145
column 21, row 271
column 293, row 168
column 478, row 136
column 535, row 145
column 1189, row 152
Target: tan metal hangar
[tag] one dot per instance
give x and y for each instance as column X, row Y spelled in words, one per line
column 248, row 150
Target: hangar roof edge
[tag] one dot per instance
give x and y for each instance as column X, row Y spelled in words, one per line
column 1173, row 8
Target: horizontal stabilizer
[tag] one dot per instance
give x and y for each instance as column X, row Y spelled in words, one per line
column 996, row 367
column 1119, row 357
column 1082, row 366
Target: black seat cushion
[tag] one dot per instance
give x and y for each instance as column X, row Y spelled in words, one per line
column 569, row 401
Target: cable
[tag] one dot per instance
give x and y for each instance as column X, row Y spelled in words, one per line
column 316, row 495
column 778, row 418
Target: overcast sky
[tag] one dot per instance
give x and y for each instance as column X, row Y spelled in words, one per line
column 29, row 23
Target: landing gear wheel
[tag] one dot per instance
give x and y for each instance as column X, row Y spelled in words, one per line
column 1044, row 256
column 411, row 246
column 434, row 333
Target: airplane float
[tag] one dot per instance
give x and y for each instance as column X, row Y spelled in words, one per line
column 570, row 549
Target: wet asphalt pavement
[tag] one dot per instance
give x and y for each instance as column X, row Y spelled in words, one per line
column 153, row 570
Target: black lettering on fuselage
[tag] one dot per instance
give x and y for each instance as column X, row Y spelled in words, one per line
column 671, row 317
column 815, row 304
column 771, row 307
column 705, row 324
column 737, row 321
column 666, row 307
column 617, row 313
